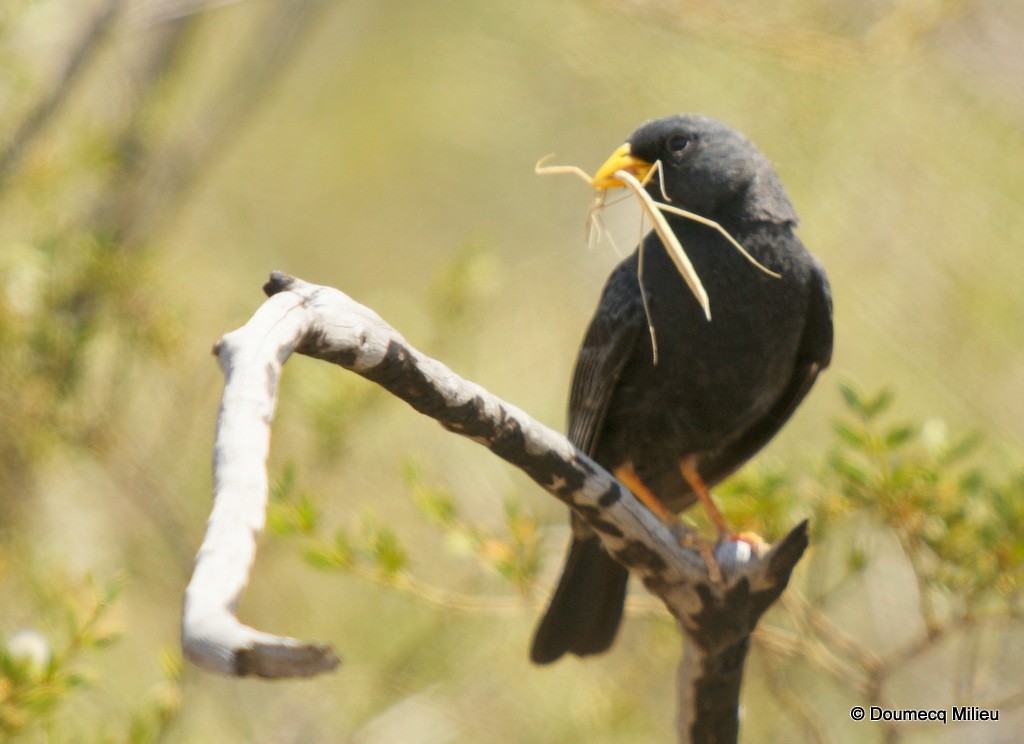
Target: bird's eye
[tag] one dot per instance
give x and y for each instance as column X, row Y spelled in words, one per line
column 677, row 143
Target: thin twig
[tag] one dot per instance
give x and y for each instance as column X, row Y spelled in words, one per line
column 788, row 643
column 43, row 112
column 782, row 689
column 834, row 636
column 171, row 172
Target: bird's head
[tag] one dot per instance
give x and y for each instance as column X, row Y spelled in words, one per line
column 707, row 168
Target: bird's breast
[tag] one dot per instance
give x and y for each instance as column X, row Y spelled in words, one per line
column 711, row 378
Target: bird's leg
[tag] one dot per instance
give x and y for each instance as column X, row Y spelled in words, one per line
column 688, row 467
column 628, row 477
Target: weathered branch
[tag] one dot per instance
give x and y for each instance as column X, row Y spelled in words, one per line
column 321, row 322
column 717, row 637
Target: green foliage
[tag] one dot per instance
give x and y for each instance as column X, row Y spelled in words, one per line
column 382, row 546
column 760, row 498
column 890, row 495
column 513, row 553
column 376, row 548
column 156, row 717
column 289, row 512
column 959, row 525
column 79, row 317
column 333, row 406
column 41, row 675
column 461, row 285
column 437, row 504
column 338, row 554
column 521, row 562
column 376, row 545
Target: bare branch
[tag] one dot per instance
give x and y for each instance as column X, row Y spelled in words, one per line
column 717, row 633
column 326, row 324
column 211, row 635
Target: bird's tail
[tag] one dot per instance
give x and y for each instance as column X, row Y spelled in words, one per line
column 586, row 608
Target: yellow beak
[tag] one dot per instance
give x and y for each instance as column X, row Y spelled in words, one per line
column 620, row 160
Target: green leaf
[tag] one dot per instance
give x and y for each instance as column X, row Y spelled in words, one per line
column 898, row 436
column 284, row 484
column 879, row 404
column 849, row 435
column 387, row 549
column 851, row 397
column 307, row 515
column 437, row 506
column 343, row 548
column 103, row 639
column 279, row 520
column 849, row 471
column 324, row 557
column 171, row 665
column 961, row 448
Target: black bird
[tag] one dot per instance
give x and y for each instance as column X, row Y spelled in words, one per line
column 720, row 389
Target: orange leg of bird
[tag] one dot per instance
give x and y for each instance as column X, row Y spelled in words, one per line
column 688, row 468
column 689, row 471
column 628, row 477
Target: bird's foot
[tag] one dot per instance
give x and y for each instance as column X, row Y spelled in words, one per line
column 729, row 549
column 707, row 553
column 758, row 545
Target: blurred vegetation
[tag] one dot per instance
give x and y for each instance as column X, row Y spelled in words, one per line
column 886, row 498
column 41, row 684
column 159, row 157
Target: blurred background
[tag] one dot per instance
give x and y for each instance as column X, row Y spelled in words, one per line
column 158, row 158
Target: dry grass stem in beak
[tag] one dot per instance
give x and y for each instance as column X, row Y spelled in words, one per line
column 675, row 250
column 711, row 223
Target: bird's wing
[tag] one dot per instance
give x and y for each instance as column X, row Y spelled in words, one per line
column 606, row 348
column 813, row 355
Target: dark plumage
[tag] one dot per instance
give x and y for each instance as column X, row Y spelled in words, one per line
column 720, row 389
